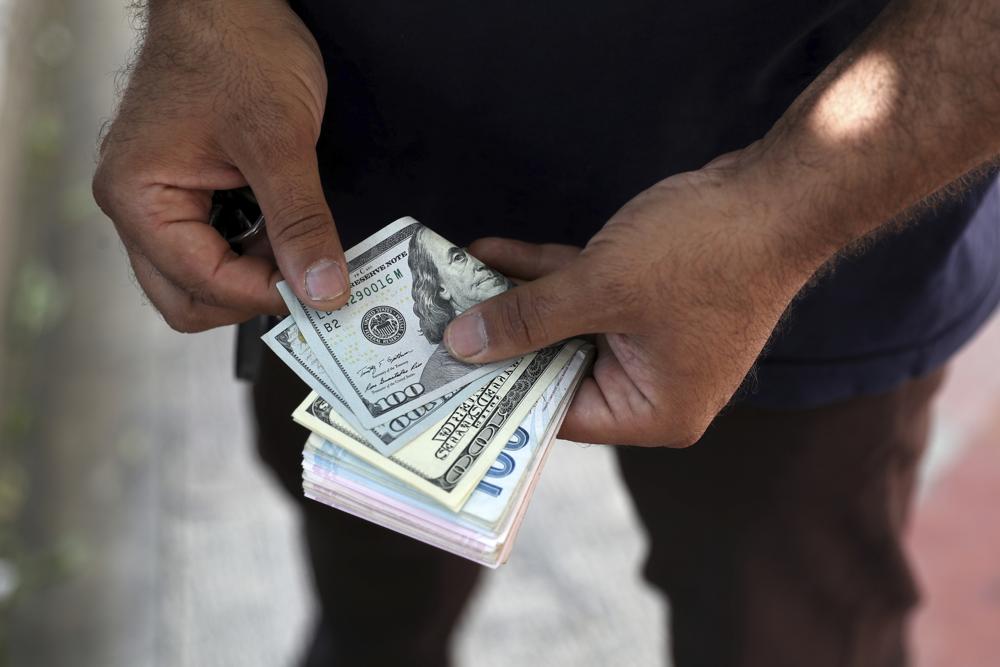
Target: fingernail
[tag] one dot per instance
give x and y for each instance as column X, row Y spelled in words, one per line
column 466, row 336
column 325, row 280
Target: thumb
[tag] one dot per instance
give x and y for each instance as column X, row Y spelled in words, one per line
column 301, row 230
column 524, row 319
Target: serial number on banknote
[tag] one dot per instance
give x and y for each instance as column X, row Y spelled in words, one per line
column 373, row 288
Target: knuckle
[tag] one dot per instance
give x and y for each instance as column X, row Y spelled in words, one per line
column 687, row 432
column 522, row 319
column 300, row 224
column 104, row 188
column 177, row 322
column 117, row 189
column 489, row 246
column 185, row 319
column 99, row 188
column 203, row 290
column 684, row 440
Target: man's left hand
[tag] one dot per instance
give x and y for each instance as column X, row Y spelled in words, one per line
column 684, row 285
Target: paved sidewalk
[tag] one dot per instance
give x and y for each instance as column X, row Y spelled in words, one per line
column 955, row 534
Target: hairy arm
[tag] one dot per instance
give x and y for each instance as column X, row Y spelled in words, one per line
column 222, row 94
column 910, row 107
column 689, row 279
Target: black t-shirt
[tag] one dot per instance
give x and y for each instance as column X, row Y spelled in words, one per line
column 539, row 120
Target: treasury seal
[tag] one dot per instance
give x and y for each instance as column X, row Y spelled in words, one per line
column 383, row 325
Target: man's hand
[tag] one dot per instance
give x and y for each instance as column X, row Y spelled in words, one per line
column 685, row 283
column 223, row 94
column 688, row 280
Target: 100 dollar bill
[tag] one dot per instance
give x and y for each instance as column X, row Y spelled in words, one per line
column 447, row 461
column 383, row 350
column 326, row 463
column 287, row 342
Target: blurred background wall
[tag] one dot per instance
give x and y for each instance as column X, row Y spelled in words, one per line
column 137, row 529
column 12, row 61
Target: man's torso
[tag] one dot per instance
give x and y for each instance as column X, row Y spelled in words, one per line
column 539, row 120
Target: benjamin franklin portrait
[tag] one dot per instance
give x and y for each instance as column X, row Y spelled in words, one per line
column 447, row 281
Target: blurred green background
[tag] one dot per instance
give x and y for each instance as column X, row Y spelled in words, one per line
column 108, row 546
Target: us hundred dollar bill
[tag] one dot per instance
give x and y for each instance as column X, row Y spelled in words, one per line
column 447, row 461
column 287, row 342
column 497, row 494
column 383, row 350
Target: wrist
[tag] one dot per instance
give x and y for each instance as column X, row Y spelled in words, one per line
column 794, row 230
column 905, row 111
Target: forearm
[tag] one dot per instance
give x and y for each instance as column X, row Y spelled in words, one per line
column 909, row 108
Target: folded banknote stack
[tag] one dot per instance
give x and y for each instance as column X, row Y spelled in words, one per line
column 404, row 435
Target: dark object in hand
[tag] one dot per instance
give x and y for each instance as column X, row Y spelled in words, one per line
column 236, row 216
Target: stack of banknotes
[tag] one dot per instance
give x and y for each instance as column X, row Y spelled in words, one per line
column 403, row 434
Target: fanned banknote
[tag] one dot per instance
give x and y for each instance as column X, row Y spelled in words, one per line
column 290, row 346
column 487, row 525
column 491, row 499
column 446, row 462
column 383, row 351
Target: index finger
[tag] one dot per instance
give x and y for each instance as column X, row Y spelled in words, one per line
column 523, row 260
column 192, row 255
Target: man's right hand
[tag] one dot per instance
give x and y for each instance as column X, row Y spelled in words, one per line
column 223, row 94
